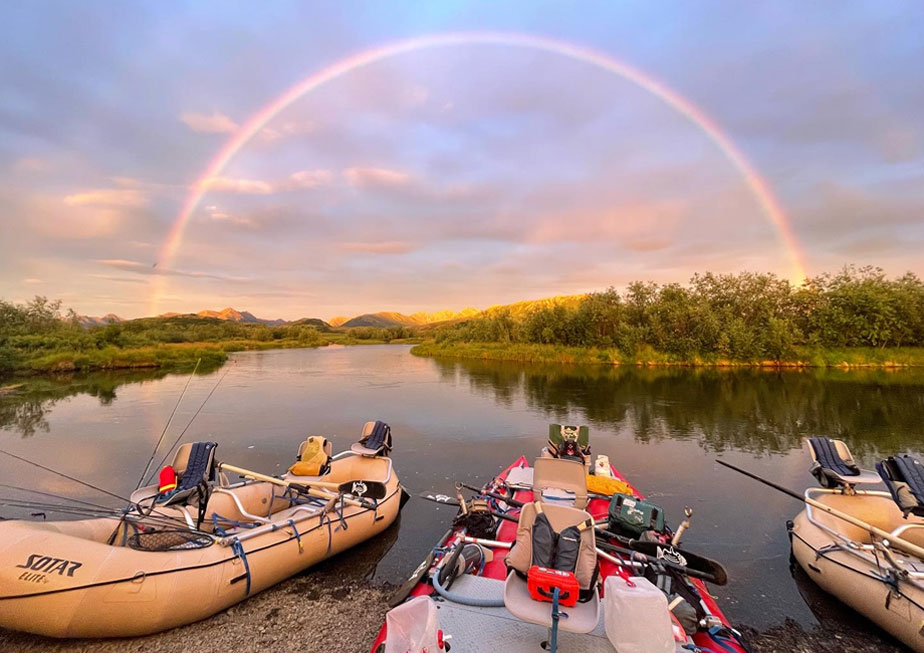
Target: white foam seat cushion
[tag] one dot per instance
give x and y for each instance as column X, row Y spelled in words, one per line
column 582, row 617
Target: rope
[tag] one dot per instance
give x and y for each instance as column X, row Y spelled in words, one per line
column 298, row 537
column 238, row 550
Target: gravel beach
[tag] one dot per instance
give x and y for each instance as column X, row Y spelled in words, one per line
column 323, row 612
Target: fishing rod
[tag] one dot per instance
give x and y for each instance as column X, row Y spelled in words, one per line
column 63, row 475
column 889, row 539
column 189, row 423
column 167, row 425
column 54, row 496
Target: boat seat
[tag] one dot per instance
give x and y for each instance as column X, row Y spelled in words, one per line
column 313, row 458
column 581, row 617
column 552, row 475
column 569, row 442
column 833, row 464
column 374, row 441
column 194, row 463
column 904, row 476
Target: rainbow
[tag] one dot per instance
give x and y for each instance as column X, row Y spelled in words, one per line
column 760, row 189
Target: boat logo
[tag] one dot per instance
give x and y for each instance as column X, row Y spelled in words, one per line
column 47, row 565
column 440, row 498
column 359, row 488
column 672, row 555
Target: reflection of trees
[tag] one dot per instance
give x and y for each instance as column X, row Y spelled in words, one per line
column 875, row 411
column 23, row 410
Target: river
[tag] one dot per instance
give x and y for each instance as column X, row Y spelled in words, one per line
column 466, row 420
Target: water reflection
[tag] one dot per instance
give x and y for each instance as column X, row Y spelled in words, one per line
column 877, row 412
column 25, row 403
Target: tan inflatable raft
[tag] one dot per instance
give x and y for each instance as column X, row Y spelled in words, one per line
column 873, row 562
column 105, row 578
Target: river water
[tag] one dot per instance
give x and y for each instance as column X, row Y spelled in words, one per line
column 466, row 420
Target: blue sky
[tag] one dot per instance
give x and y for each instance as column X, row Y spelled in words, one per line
column 468, row 175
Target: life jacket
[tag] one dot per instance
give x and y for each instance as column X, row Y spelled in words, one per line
column 313, row 457
column 570, row 548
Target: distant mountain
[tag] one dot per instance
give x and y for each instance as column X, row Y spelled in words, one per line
column 338, row 321
column 444, row 316
column 86, row 321
column 231, row 315
column 312, row 321
column 383, row 319
column 390, row 319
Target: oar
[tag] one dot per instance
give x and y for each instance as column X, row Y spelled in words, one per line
column 402, row 592
column 449, row 501
column 500, row 497
column 720, row 578
column 890, row 540
column 652, row 549
column 361, row 489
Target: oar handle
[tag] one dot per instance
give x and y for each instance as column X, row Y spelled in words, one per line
column 306, row 487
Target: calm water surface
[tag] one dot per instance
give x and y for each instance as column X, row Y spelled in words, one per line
column 466, row 420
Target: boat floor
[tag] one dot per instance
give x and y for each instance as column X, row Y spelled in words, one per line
column 498, row 630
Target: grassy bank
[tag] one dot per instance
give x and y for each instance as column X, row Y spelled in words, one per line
column 174, row 355
column 536, row 353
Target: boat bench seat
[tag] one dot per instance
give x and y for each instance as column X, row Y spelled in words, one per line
column 581, row 617
column 904, row 476
column 833, row 464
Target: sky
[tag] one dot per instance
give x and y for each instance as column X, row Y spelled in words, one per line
column 468, row 172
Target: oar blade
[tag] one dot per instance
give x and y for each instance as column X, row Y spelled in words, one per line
column 364, row 489
column 690, row 560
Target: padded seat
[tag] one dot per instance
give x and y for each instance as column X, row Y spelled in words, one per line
column 904, row 476
column 553, row 476
column 833, row 464
column 194, row 463
column 581, row 617
column 374, row 441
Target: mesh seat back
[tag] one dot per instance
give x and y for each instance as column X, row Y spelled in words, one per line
column 827, row 453
column 904, row 476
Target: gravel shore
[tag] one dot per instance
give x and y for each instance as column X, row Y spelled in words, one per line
column 321, row 612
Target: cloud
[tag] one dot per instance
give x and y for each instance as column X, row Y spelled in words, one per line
column 393, row 247
column 31, row 280
column 143, row 268
column 303, row 179
column 214, row 123
column 241, row 186
column 29, row 164
column 108, row 197
column 376, row 178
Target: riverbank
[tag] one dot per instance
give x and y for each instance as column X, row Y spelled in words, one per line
column 805, row 357
column 173, row 356
column 319, row 611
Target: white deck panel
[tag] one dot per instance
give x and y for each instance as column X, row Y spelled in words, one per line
column 495, row 630
column 483, row 630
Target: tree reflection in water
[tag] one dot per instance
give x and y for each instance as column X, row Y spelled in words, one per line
column 877, row 412
column 23, row 408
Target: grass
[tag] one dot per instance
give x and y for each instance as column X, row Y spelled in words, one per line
column 176, row 355
column 646, row 356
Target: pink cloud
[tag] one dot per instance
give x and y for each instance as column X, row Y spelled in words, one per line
column 214, row 123
column 296, row 181
column 376, row 177
column 109, row 197
column 29, row 164
column 392, row 247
